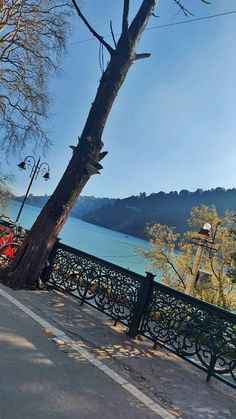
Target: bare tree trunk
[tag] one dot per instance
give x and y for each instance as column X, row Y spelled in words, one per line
column 29, row 261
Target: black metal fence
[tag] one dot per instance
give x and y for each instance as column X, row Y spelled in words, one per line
column 198, row 332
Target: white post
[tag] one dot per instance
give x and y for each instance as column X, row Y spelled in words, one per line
column 196, row 263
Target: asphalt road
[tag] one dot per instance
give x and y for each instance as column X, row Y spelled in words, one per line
column 40, row 381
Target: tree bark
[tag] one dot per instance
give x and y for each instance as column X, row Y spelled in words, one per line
column 30, row 260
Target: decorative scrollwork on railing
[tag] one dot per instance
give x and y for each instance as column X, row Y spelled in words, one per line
column 112, row 291
column 200, row 333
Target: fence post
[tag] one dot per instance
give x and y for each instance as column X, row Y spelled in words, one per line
column 141, row 305
column 45, row 274
column 211, row 367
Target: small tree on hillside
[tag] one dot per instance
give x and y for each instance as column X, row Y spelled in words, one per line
column 87, row 155
column 173, row 254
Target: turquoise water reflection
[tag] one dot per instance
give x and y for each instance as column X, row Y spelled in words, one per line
column 107, row 244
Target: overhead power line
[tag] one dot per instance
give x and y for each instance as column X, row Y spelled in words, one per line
column 181, row 22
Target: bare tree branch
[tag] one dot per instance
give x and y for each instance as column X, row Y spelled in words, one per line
column 90, row 28
column 141, row 56
column 174, row 269
column 112, row 34
column 125, row 23
column 185, row 11
column 5, row 191
column 139, row 22
column 32, row 39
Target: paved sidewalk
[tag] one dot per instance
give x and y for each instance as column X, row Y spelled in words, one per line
column 169, row 381
column 39, row 381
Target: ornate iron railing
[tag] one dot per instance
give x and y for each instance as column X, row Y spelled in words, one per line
column 105, row 286
column 198, row 332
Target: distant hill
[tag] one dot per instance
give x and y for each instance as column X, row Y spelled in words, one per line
column 131, row 215
column 36, row 201
column 84, row 204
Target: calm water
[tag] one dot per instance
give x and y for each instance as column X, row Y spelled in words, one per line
column 110, row 245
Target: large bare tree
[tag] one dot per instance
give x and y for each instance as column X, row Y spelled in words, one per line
column 6, row 194
column 87, row 155
column 32, row 37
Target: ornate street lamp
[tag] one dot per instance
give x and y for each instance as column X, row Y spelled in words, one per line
column 36, row 168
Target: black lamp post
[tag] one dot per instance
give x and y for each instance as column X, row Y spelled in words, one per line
column 30, row 163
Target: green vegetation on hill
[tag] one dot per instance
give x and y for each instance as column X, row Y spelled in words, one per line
column 84, row 204
column 131, row 215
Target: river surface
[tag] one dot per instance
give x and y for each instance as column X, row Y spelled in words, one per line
column 115, row 247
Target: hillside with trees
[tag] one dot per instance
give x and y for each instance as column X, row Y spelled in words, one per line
column 215, row 261
column 131, row 215
column 84, row 205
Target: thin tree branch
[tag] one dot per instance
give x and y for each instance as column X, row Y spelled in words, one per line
column 213, row 269
column 112, row 34
column 125, row 23
column 185, row 11
column 90, row 28
column 139, row 22
column 141, row 56
column 173, row 267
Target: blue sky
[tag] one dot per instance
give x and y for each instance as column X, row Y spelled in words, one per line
column 173, row 125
